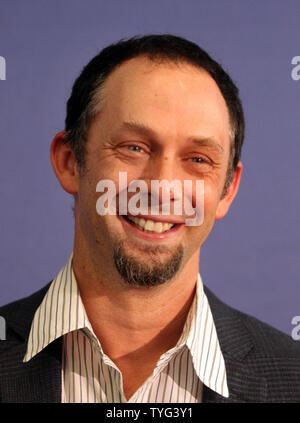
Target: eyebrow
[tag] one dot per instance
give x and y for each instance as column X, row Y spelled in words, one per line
column 208, row 142
column 145, row 130
column 139, row 128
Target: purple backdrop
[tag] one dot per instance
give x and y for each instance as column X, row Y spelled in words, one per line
column 251, row 259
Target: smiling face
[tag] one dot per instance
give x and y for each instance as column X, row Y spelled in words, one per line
column 157, row 121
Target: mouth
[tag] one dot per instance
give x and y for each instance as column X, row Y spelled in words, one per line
column 148, row 228
column 148, row 225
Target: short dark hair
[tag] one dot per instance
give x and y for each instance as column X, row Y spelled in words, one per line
column 165, row 47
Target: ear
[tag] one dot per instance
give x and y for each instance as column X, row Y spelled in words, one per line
column 64, row 163
column 232, row 190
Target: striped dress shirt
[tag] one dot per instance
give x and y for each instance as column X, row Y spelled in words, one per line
column 90, row 376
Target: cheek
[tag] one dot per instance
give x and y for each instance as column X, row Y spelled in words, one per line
column 120, row 176
column 207, row 194
column 211, row 200
column 198, row 234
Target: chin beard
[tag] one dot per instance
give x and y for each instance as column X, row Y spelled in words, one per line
column 135, row 272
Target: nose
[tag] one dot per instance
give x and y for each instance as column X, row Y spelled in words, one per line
column 162, row 167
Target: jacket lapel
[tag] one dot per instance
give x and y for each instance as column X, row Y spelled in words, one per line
column 236, row 343
column 40, row 379
column 244, row 386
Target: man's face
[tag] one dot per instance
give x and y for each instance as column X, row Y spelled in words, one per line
column 157, row 121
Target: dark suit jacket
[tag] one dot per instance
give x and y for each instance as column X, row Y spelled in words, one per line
column 262, row 364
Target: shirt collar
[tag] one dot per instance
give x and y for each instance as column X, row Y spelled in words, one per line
column 202, row 340
column 62, row 311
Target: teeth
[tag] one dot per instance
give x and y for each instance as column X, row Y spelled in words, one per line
column 158, row 227
column 150, row 225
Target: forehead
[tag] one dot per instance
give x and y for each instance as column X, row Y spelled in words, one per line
column 172, row 98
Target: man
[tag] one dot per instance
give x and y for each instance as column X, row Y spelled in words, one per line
column 128, row 317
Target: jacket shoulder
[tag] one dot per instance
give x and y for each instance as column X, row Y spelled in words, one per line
column 266, row 340
column 270, row 341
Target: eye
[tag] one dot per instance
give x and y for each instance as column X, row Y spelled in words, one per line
column 198, row 160
column 134, row 148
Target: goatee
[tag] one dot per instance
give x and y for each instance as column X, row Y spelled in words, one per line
column 136, row 272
